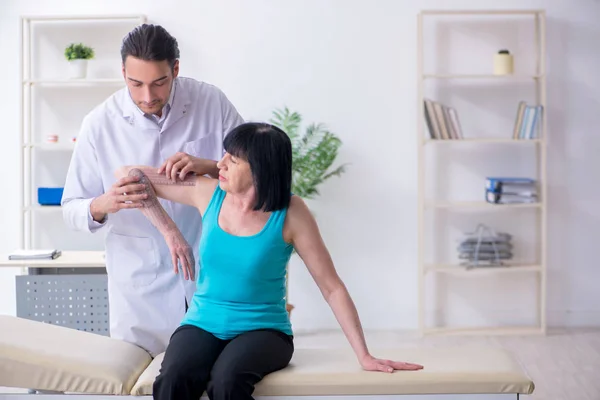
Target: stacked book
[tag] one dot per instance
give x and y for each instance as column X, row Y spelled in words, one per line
column 484, row 247
column 49, row 254
column 500, row 190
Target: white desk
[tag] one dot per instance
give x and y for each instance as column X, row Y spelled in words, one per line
column 68, row 259
column 63, row 290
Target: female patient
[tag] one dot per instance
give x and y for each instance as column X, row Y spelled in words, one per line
column 237, row 329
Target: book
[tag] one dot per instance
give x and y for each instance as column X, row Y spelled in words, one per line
column 442, row 121
column 510, row 190
column 509, row 198
column 499, row 184
column 528, row 121
column 36, row 254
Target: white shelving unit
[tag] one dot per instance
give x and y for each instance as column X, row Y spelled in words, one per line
column 52, row 103
column 479, row 80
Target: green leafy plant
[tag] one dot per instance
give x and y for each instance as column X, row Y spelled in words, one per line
column 78, row 51
column 313, row 152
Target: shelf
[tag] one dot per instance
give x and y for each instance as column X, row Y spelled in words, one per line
column 75, row 82
column 68, row 259
column 462, row 270
column 492, row 331
column 85, row 18
column 480, row 204
column 442, row 118
column 484, row 141
column 482, row 12
column 39, row 208
column 481, row 76
column 49, row 84
column 51, row 146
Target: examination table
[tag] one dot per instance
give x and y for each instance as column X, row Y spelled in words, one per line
column 57, row 362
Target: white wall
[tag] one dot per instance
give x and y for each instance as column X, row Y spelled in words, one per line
column 351, row 65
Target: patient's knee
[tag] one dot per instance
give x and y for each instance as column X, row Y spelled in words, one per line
column 174, row 382
column 171, row 377
column 230, row 384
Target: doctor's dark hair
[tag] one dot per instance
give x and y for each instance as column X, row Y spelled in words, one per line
column 268, row 150
column 150, row 43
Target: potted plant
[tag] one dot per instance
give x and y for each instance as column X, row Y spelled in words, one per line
column 313, row 154
column 78, row 54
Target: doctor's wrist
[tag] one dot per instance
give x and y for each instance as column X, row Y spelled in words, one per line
column 97, row 213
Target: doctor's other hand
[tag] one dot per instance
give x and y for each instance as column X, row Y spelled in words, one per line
column 126, row 193
column 180, row 164
column 181, row 254
column 370, row 363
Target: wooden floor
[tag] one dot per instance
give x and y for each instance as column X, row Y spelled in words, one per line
column 564, row 364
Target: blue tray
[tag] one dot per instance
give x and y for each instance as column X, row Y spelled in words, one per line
column 49, row 196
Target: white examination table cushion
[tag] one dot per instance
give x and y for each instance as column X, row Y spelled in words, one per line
column 45, row 357
column 41, row 356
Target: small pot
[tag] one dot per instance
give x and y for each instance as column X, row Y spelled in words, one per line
column 78, row 68
column 503, row 63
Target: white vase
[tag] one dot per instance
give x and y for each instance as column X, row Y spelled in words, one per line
column 78, row 69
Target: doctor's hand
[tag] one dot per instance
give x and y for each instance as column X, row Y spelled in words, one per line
column 126, row 193
column 180, row 164
column 370, row 363
column 181, row 254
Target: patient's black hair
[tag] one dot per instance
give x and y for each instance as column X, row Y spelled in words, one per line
column 150, row 43
column 268, row 150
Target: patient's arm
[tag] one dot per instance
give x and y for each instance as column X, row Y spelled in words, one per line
column 193, row 190
column 153, row 210
column 302, row 231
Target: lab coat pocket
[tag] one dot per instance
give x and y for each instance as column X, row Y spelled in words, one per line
column 131, row 260
column 207, row 147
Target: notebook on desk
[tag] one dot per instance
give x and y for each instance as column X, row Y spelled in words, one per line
column 36, row 254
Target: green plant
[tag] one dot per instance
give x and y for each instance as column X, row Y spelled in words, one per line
column 78, row 51
column 313, row 153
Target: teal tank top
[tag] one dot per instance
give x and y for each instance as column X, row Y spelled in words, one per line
column 242, row 279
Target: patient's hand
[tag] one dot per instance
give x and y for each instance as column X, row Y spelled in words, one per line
column 370, row 363
column 181, row 251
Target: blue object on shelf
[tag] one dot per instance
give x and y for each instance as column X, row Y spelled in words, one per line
column 49, row 196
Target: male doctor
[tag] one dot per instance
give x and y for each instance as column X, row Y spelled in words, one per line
column 176, row 124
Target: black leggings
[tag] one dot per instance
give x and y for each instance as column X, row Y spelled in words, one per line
column 196, row 361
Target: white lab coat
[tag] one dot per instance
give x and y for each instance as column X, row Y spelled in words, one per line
column 147, row 299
